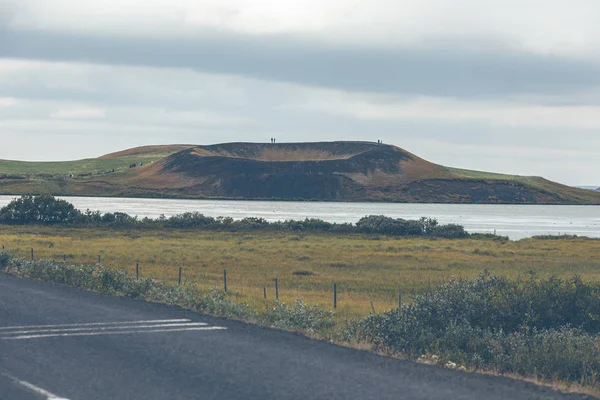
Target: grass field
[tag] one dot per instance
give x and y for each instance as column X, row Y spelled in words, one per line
column 366, row 268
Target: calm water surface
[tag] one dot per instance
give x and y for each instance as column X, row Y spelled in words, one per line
column 515, row 221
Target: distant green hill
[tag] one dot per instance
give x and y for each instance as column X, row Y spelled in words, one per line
column 327, row 171
column 117, row 161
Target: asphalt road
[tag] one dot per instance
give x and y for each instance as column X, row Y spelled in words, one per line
column 58, row 342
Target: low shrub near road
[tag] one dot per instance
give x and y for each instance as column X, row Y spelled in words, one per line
column 546, row 328
column 300, row 317
column 543, row 328
column 118, row 282
column 4, row 259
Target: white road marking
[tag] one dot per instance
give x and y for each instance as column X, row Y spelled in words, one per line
column 94, row 324
column 33, row 388
column 202, row 328
column 103, row 328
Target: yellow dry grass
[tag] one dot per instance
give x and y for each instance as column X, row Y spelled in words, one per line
column 366, row 268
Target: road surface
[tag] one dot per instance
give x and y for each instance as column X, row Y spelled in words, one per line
column 58, row 342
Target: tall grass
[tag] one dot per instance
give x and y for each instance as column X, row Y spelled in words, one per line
column 366, row 268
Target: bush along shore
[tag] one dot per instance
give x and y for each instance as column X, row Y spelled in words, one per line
column 542, row 329
column 47, row 210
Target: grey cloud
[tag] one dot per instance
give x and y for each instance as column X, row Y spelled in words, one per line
column 457, row 146
column 274, row 109
column 7, row 11
column 444, row 70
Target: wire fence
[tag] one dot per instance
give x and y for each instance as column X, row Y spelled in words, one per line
column 331, row 294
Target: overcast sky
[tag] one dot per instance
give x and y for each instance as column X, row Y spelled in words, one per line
column 499, row 85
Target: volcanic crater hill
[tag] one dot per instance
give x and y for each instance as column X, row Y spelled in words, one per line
column 327, row 171
column 320, row 171
column 343, row 171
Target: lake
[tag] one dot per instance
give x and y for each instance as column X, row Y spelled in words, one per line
column 514, row 221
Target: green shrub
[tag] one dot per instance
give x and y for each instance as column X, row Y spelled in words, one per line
column 300, row 317
column 118, row 219
column 309, row 224
column 191, row 220
column 564, row 354
column 218, row 304
column 251, row 223
column 380, row 224
column 4, row 259
column 546, row 327
column 49, row 210
column 489, row 236
column 40, row 210
column 496, row 303
column 450, row 231
column 555, row 237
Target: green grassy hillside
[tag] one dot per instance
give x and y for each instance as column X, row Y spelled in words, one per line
column 90, row 166
column 568, row 193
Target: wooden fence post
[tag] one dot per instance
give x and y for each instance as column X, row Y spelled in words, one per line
column 399, row 301
column 334, row 296
column 137, row 270
column 32, row 258
column 179, row 276
column 276, row 289
column 225, row 280
column 265, row 292
column 99, row 259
